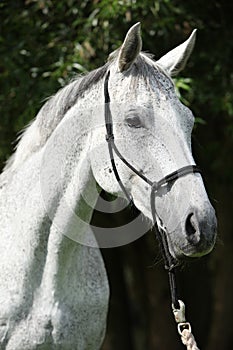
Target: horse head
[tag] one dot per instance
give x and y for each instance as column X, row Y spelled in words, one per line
column 152, row 132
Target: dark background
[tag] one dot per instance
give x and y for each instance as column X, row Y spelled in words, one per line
column 45, row 43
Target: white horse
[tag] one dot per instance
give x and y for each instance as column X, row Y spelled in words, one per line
column 54, row 291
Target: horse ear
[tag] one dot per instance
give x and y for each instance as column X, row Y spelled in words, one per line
column 175, row 60
column 130, row 48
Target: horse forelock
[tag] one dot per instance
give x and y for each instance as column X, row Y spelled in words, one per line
column 144, row 71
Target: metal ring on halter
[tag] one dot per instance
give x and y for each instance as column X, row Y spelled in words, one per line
column 155, row 186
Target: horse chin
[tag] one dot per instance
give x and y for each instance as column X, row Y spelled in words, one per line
column 182, row 250
column 190, row 252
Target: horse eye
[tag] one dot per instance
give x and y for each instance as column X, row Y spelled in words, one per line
column 133, row 121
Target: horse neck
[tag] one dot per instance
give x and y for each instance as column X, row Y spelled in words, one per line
column 71, row 136
column 66, row 159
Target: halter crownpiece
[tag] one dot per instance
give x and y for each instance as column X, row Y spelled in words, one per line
column 170, row 262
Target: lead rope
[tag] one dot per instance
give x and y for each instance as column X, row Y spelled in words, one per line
column 178, row 307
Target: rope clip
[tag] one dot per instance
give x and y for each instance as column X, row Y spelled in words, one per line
column 184, row 328
column 179, row 314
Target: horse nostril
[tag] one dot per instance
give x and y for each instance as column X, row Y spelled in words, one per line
column 189, row 226
column 199, row 232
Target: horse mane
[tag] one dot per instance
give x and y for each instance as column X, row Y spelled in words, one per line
column 35, row 135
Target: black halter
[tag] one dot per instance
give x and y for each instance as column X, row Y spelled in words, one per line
column 170, row 262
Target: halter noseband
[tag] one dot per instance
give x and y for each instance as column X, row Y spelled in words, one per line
column 170, row 262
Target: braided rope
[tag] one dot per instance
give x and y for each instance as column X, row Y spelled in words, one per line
column 188, row 340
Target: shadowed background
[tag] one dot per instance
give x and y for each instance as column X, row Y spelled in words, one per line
column 44, row 44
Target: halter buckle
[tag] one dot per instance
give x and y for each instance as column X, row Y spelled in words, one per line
column 171, row 268
column 109, row 137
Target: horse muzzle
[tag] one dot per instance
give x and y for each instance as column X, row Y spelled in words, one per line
column 195, row 236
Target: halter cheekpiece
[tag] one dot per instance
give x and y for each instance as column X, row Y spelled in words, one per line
column 170, row 262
